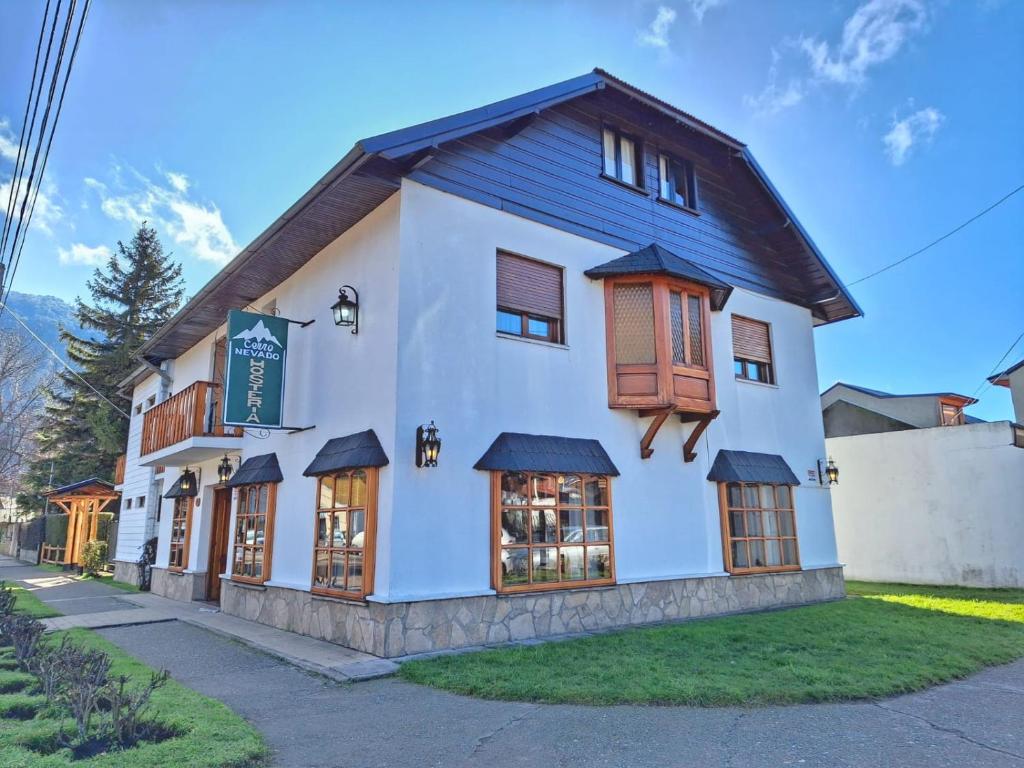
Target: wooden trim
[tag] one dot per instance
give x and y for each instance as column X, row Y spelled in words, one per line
column 724, row 509
column 369, row 548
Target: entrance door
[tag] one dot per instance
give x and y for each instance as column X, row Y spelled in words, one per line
column 219, row 537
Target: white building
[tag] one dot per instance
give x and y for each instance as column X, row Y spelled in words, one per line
column 607, row 311
column 927, row 494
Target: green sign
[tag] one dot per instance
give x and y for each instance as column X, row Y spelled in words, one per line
column 254, row 380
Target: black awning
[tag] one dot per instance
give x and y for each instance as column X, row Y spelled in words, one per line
column 546, row 453
column 749, row 467
column 176, row 492
column 257, row 469
column 657, row 260
column 362, row 449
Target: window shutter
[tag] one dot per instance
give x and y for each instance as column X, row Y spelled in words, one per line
column 750, row 340
column 525, row 285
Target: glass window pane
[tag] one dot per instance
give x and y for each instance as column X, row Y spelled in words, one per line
column 789, row 552
column 739, row 555
column 597, row 492
column 757, row 554
column 545, row 564
column 572, row 563
column 341, row 490
column 338, row 570
column 783, row 496
column 769, row 523
column 535, row 326
column 786, row 523
column 509, row 322
column 634, row 323
column 772, row 551
column 513, row 489
column 355, row 571
column 693, row 320
column 571, row 524
column 597, row 525
column 357, row 496
column 737, row 526
column 609, row 151
column 357, row 528
column 753, row 523
column 750, row 500
column 675, row 310
column 513, row 526
column 599, row 562
column 628, row 150
column 570, row 490
column 326, row 492
column 544, row 490
column 735, row 495
column 320, row 569
column 545, row 526
column 515, row 566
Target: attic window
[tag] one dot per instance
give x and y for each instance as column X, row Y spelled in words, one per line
column 623, row 157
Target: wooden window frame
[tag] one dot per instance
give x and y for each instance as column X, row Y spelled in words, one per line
column 268, row 532
column 497, row 546
column 640, row 184
column 369, row 547
column 184, row 544
column 728, row 538
column 746, row 363
column 690, row 181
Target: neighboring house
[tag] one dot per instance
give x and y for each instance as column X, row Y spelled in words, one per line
column 607, row 311
column 926, row 494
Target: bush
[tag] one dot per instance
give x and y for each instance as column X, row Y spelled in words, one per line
column 56, row 530
column 94, row 555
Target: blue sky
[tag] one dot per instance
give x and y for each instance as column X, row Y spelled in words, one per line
column 883, row 122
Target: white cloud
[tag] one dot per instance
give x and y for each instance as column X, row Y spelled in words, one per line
column 656, row 35
column 875, row 33
column 8, row 141
column 911, row 130
column 775, row 97
column 46, row 213
column 700, row 7
column 80, row 253
column 193, row 224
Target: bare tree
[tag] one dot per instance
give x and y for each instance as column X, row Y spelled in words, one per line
column 23, row 377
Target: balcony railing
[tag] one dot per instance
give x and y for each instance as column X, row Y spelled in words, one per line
column 193, row 412
column 119, row 469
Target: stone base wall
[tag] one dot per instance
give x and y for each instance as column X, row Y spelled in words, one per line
column 178, row 586
column 126, row 572
column 399, row 629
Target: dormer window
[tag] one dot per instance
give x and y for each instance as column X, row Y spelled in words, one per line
column 623, row 157
column 677, row 183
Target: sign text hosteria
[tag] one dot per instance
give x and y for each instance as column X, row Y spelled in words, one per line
column 254, row 380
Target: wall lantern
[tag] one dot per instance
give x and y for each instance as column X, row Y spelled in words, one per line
column 346, row 310
column 428, row 445
column 830, row 470
column 185, row 483
column 224, row 470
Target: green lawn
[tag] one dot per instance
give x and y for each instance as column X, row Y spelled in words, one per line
column 884, row 639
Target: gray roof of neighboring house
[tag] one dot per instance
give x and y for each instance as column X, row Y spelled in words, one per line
column 879, row 393
column 362, row 449
column 655, row 259
column 257, row 469
column 546, row 453
column 176, row 492
column 749, row 467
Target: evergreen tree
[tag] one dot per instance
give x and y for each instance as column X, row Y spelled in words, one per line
column 82, row 434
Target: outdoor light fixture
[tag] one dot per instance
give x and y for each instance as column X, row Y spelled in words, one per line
column 830, row 470
column 185, row 483
column 428, row 445
column 346, row 310
column 224, row 469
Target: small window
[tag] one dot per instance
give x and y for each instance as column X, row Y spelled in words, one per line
column 529, row 298
column 759, row 528
column 752, row 350
column 254, row 526
column 676, row 182
column 623, row 157
column 181, row 523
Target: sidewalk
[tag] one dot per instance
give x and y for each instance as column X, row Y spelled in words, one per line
column 92, row 605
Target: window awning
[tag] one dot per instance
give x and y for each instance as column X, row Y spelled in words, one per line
column 656, row 260
column 257, row 469
column 176, row 492
column 362, row 449
column 749, row 467
column 546, row 453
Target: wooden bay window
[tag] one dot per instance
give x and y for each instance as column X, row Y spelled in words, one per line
column 346, row 518
column 758, row 528
column 254, row 532
column 181, row 527
column 551, row 531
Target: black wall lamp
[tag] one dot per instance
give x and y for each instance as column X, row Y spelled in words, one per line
column 225, row 469
column 428, row 445
column 829, row 471
column 346, row 310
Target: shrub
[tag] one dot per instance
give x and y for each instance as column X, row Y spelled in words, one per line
column 23, row 632
column 94, row 555
column 7, row 599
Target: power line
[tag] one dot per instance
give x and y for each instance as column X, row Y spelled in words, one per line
column 61, row 360
column 974, row 218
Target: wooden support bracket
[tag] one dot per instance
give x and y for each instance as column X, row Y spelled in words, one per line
column 660, row 415
column 702, row 419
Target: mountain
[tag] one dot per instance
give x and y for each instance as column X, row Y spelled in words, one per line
column 45, row 315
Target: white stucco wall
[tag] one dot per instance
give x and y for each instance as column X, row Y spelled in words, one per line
column 931, row 506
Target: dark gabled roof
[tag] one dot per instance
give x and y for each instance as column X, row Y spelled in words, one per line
column 888, row 395
column 177, row 493
column 749, row 467
column 1002, row 379
column 362, row 449
column 658, row 260
column 257, row 469
column 546, row 453
column 91, row 487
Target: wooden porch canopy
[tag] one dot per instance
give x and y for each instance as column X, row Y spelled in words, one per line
column 83, row 501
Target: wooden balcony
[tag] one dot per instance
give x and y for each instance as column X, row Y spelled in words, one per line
column 184, row 419
column 119, row 469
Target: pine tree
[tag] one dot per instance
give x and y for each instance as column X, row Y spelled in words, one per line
column 82, row 434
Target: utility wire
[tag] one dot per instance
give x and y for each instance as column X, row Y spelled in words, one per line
column 61, row 360
column 974, row 218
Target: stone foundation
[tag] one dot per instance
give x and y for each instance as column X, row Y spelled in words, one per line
column 178, row 586
column 399, row 629
column 126, row 572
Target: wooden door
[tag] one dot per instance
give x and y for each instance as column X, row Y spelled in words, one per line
column 219, row 537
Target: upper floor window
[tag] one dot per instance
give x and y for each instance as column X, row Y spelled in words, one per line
column 752, row 350
column 952, row 414
column 676, row 181
column 623, row 157
column 529, row 299
column 758, row 527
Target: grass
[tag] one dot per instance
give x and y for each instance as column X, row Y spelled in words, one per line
column 884, row 639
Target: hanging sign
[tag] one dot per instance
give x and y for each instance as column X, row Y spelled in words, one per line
column 254, row 380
